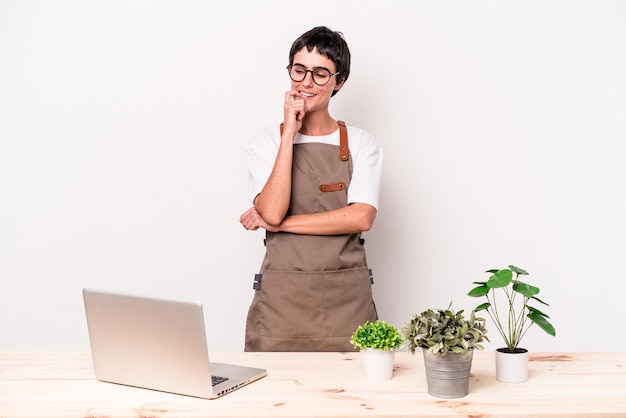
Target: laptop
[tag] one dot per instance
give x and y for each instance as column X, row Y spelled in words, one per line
column 157, row 344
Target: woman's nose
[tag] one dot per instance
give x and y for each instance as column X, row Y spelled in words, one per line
column 308, row 78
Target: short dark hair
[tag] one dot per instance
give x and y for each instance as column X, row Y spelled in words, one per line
column 330, row 44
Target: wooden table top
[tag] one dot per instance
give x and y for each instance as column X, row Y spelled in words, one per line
column 62, row 384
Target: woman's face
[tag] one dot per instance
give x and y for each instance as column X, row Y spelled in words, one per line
column 317, row 97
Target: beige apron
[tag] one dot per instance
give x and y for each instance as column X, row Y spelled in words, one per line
column 312, row 291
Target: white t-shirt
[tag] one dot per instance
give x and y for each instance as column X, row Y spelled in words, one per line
column 365, row 152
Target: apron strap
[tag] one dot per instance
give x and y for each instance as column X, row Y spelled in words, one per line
column 344, row 152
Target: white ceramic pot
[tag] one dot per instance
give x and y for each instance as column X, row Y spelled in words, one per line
column 512, row 367
column 378, row 364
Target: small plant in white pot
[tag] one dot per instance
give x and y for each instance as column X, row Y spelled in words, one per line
column 508, row 306
column 377, row 342
column 447, row 340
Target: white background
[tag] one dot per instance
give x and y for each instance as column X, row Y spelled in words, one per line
column 123, row 126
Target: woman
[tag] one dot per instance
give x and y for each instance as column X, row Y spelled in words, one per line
column 314, row 184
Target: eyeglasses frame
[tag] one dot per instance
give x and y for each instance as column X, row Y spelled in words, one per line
column 330, row 75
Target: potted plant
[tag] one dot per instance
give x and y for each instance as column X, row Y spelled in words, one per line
column 377, row 342
column 447, row 340
column 513, row 317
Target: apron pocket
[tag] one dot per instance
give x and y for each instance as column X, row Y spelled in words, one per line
column 314, row 304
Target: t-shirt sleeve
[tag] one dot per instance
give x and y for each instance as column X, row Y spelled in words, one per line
column 260, row 158
column 367, row 169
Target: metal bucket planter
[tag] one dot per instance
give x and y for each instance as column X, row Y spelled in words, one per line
column 448, row 376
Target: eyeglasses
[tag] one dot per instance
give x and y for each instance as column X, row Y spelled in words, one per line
column 320, row 75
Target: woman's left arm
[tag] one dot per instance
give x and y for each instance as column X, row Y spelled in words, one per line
column 354, row 218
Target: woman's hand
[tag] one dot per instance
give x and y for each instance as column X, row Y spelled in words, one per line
column 252, row 220
column 271, row 205
column 295, row 110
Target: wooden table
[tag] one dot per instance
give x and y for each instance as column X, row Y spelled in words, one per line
column 62, row 384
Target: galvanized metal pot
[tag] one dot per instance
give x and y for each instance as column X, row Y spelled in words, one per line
column 448, row 376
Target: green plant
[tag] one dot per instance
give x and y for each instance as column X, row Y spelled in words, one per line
column 444, row 331
column 378, row 335
column 519, row 315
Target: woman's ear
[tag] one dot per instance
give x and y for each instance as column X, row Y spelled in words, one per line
column 340, row 85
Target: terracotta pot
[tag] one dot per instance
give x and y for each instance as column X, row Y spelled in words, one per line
column 512, row 366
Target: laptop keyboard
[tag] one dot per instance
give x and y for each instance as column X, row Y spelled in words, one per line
column 216, row 380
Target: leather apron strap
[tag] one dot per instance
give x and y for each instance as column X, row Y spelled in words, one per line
column 344, row 151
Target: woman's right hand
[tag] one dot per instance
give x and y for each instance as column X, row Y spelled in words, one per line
column 252, row 220
column 295, row 110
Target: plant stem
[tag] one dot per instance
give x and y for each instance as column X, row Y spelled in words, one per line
column 516, row 320
column 525, row 331
column 522, row 320
column 493, row 313
column 510, row 340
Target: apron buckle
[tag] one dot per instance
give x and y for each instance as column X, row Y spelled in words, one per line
column 257, row 281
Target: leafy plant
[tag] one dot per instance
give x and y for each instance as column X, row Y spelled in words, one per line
column 444, row 331
column 378, row 335
column 519, row 316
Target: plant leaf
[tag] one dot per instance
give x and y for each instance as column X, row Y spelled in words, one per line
column 479, row 291
column 518, row 270
column 525, row 289
column 540, row 301
column 542, row 322
column 482, row 306
column 537, row 311
column 500, row 278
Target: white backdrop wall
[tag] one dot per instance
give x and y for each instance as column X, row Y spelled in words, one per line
column 123, row 126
